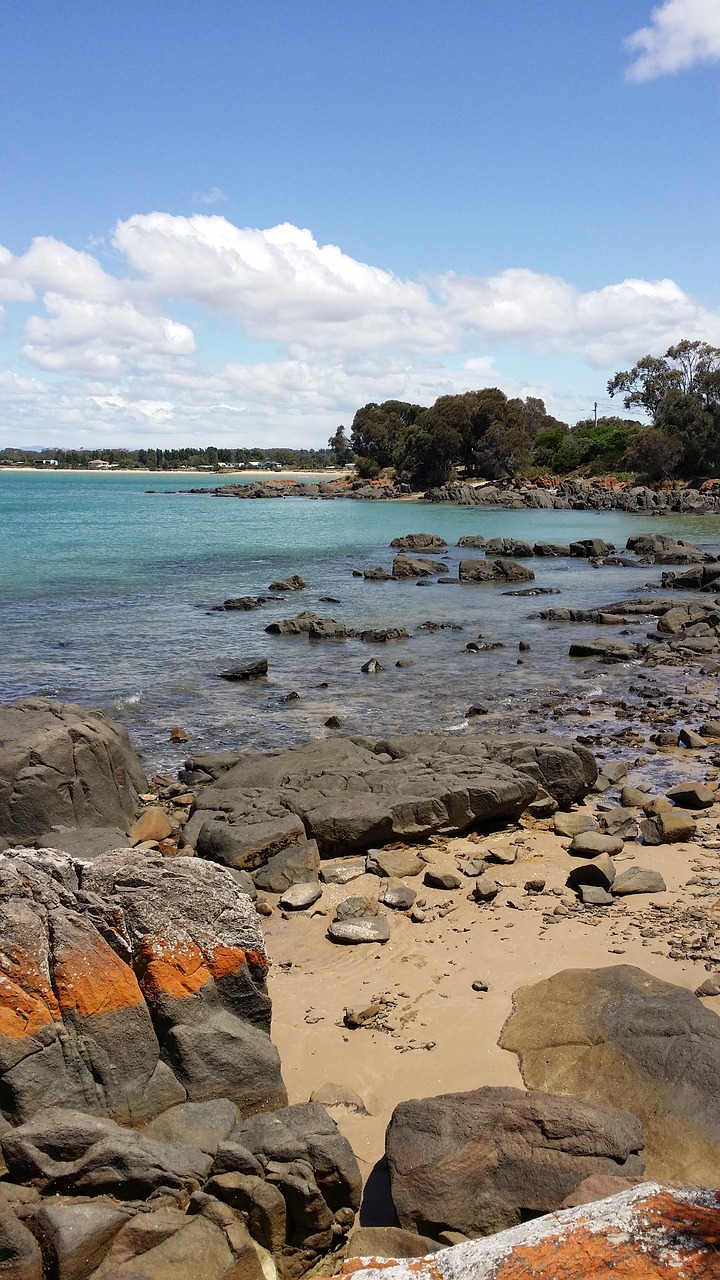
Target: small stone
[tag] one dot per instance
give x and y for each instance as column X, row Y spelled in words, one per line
column 441, row 879
column 354, row 931
column 300, row 896
column 593, row 895
column 536, row 885
column 692, row 795
column 475, row 710
column 395, row 863
column 249, row 671
column 397, row 895
column 572, row 824
column 688, row 738
column 506, row 856
column 600, row 872
column 669, row 826
column 479, row 985
column 178, row 735
column 355, row 1018
column 333, row 722
column 486, row 888
column 342, row 872
column 710, row 987
column 371, row 667
column 262, row 906
column 153, row 825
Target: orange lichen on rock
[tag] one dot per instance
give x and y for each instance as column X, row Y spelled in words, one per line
column 27, row 1001
column 226, row 960
column 164, row 969
column 94, row 981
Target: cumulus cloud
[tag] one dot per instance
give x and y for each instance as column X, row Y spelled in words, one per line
column 97, row 337
column 116, row 354
column 681, row 33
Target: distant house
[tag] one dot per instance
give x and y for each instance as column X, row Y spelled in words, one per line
column 99, row 464
column 46, row 462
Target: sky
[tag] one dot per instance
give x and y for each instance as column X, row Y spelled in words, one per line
column 236, row 223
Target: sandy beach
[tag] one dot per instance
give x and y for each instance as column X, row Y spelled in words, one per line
column 435, row 1034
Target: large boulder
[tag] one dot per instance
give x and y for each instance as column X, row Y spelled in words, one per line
column 351, row 794
column 477, row 1162
column 494, row 571
column 646, row 1233
column 63, row 765
column 619, row 1036
column 128, row 985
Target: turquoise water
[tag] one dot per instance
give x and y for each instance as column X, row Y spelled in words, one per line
column 105, row 591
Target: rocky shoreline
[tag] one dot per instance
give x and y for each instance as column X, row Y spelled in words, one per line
column 597, row 494
column 147, row 1123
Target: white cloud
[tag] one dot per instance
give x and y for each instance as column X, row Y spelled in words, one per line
column 681, row 33
column 215, row 195
column 114, row 361
column 97, row 337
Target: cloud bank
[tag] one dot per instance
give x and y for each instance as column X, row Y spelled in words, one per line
column 681, row 33
column 130, row 355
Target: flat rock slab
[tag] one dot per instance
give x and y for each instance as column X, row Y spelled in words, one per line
column 638, row 880
column 84, row 843
column 395, row 863
column 356, row 930
column 617, row 1032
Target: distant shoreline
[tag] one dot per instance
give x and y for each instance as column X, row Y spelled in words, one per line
column 179, row 471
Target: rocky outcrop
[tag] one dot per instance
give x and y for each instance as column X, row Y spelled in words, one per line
column 494, row 571
column 619, row 1035
column 405, row 566
column 646, row 1233
column 129, row 984
column 64, row 765
column 350, row 794
column 419, row 542
column 478, row 1162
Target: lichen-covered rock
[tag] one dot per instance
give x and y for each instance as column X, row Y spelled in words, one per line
column 619, row 1034
column 647, row 1233
column 63, row 765
column 477, row 1162
column 129, row 985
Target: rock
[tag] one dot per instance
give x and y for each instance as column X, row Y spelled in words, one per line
column 296, row 865
column 211, row 1244
column 647, row 1231
column 261, row 1203
column 395, row 863
column 83, row 843
column 153, row 824
column 442, row 879
column 237, row 603
column 61, row 1150
column 638, row 880
column 494, row 571
column 132, row 982
column 600, row 872
column 590, row 547
column 477, row 1162
column 381, row 635
column 604, row 1034
column 668, row 827
column 63, row 765
column 251, row 844
column 374, row 929
column 419, row 542
column 20, row 1257
column 710, row 987
column 300, row 896
column 246, row 671
column 339, row 1095
column 357, row 908
column 572, row 824
column 588, row 844
column 376, row 575
column 397, row 895
column 633, row 798
column 692, row 795
column 599, row 1186
column 480, row 985
column 416, row 567
column 475, row 710
column 389, row 1242
column 342, row 872
column 593, row 895
column 688, row 738
column 354, row 1018
column 371, row 667
column 508, row 547
column 75, row 1237
column 195, row 1124
column 486, row 888
column 710, row 729
column 350, row 794
column 551, row 549
column 506, row 855
column 473, row 541
column 293, row 583
column 327, row 629
column 606, row 650
column 617, row 821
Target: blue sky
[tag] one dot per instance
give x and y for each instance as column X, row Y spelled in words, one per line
column 239, row 222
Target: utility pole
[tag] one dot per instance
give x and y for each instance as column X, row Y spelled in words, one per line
column 596, row 413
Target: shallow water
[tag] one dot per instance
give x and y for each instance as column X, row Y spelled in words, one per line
column 105, row 591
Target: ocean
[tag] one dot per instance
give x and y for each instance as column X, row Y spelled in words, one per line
column 106, row 595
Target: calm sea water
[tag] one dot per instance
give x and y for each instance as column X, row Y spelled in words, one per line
column 105, row 591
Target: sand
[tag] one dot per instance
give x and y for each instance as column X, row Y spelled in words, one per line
column 437, row 1034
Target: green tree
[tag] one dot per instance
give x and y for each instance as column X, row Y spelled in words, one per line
column 377, row 428
column 340, row 445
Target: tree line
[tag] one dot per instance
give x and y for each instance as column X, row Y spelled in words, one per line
column 190, row 457
column 485, row 433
